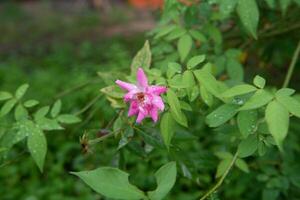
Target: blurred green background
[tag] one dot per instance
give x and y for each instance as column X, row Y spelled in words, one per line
column 58, row 48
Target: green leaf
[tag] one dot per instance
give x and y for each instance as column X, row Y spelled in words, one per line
column 113, row 91
column 48, row 124
column 224, row 155
column 214, row 33
column 185, row 106
column 68, row 119
column 194, row 61
column 37, row 146
column 20, row 113
column 271, row 3
column 290, row 103
column 207, row 97
column 184, row 46
column 277, row 117
column 173, row 68
column 126, row 137
column 221, row 115
column 175, row 108
column 227, row 6
column 259, row 82
column 285, row 92
column 239, row 90
column 40, row 113
column 189, row 80
column 141, row 59
column 31, row 103
column 259, row 99
column 151, row 140
column 177, row 82
column 56, row 108
column 111, row 182
column 208, row 81
column 235, row 70
column 261, row 148
column 164, row 31
column 222, row 167
column 165, row 178
column 176, row 33
column 249, row 15
column 247, row 122
column 197, row 35
column 118, row 124
column 248, row 146
column 242, row 165
column 21, row 91
column 284, row 4
column 24, row 128
column 5, row 95
column 7, row 107
column 167, row 128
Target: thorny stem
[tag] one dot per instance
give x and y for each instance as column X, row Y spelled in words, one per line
column 219, row 183
column 292, row 66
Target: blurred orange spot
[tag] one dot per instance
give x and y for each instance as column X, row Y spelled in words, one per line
column 147, row 4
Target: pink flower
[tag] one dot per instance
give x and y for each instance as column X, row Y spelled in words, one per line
column 145, row 100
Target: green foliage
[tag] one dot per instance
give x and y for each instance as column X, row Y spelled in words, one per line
column 165, row 177
column 277, row 117
column 110, row 182
column 32, row 126
column 175, row 108
column 249, row 15
column 167, row 128
column 142, row 58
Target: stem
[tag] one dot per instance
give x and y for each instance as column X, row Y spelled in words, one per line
column 77, row 87
column 292, row 66
column 219, row 183
column 90, row 104
column 97, row 140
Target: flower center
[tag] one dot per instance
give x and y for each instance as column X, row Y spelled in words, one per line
column 140, row 97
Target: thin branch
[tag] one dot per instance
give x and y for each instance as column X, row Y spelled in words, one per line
column 77, row 87
column 219, row 183
column 90, row 104
column 292, row 66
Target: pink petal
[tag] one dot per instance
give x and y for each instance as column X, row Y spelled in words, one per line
column 125, row 86
column 142, row 78
column 140, row 117
column 158, row 102
column 154, row 114
column 157, row 89
column 130, row 95
column 133, row 109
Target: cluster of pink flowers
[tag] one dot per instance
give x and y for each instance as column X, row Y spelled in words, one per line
column 145, row 100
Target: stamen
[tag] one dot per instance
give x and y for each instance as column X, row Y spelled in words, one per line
column 140, row 96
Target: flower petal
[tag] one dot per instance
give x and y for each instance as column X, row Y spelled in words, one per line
column 133, row 109
column 125, row 85
column 130, row 95
column 142, row 78
column 154, row 114
column 158, row 102
column 140, row 117
column 157, row 89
